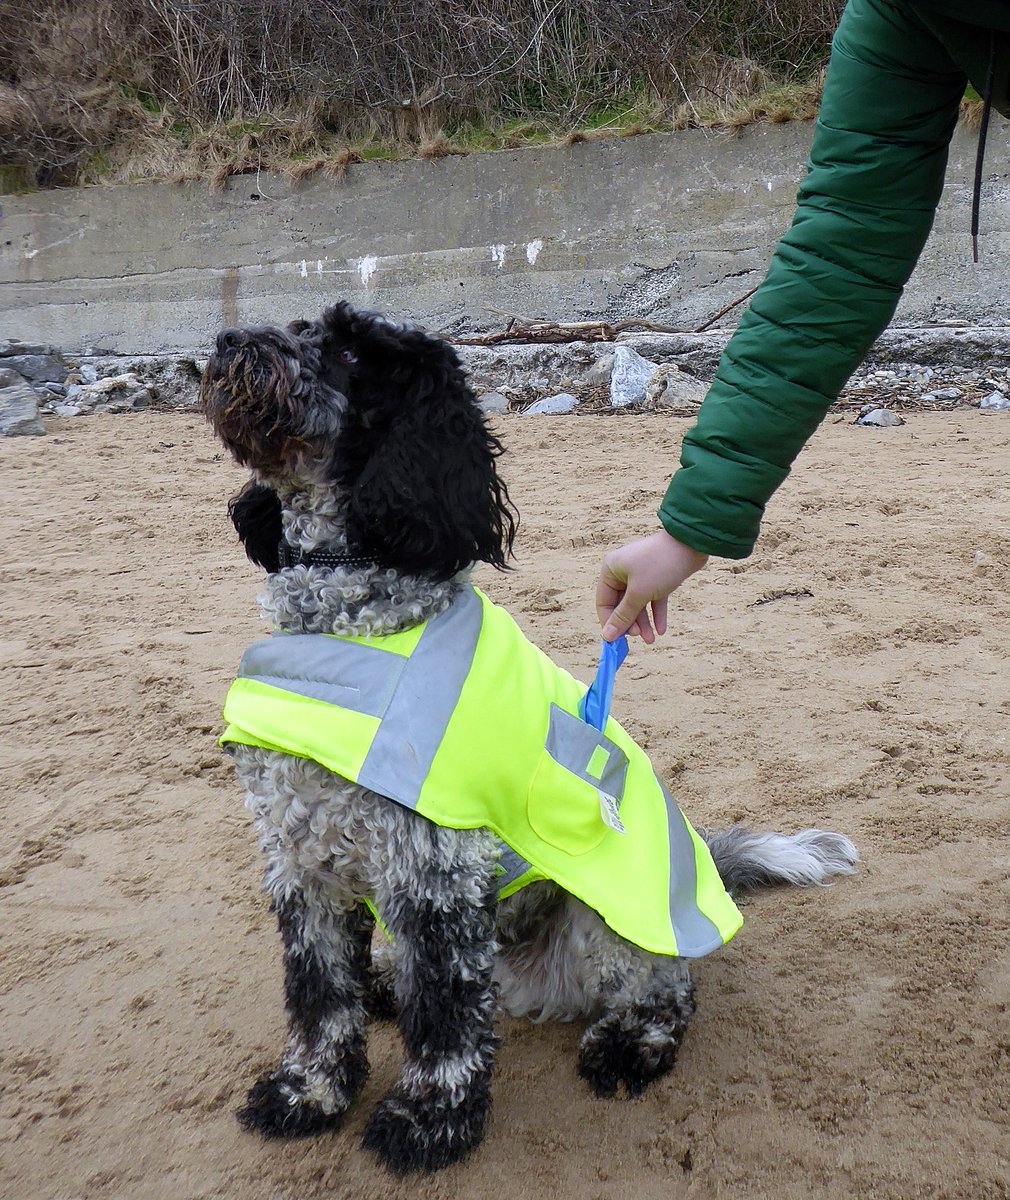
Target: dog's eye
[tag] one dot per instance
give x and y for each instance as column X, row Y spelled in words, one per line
column 347, row 356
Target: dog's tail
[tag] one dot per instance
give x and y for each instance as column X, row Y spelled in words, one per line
column 746, row 859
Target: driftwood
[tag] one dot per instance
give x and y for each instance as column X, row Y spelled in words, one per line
column 520, row 330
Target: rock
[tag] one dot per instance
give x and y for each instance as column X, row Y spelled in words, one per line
column 117, row 393
column 994, row 402
column 114, row 383
column 674, row 388
column 493, row 402
column 10, row 347
column 122, row 402
column 67, row 410
column 52, row 389
column 88, row 373
column 19, row 407
column 698, row 353
column 561, row 403
column 38, row 368
column 599, row 373
column 942, row 348
column 497, row 368
column 882, row 417
column 630, row 377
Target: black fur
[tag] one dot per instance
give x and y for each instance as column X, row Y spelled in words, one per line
column 446, row 1017
column 636, row 1045
column 312, row 991
column 255, row 512
column 419, row 1133
column 438, row 989
column 415, row 453
column 277, row 1105
column 269, row 1111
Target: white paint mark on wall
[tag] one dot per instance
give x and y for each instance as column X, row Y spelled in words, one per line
column 77, row 233
column 367, row 267
column 303, row 269
column 533, row 250
column 498, row 255
column 319, row 266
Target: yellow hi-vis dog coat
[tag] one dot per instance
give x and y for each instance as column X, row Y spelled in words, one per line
column 465, row 721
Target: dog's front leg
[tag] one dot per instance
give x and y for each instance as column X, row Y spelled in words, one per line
column 439, row 905
column 324, row 1065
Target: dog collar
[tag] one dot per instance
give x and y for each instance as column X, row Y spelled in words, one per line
column 290, row 557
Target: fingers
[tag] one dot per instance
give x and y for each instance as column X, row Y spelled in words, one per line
column 659, row 613
column 644, row 627
column 609, row 594
column 629, row 616
column 639, row 576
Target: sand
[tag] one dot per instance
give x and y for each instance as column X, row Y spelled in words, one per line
column 852, row 1041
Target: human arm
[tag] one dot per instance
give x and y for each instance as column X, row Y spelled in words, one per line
column 864, row 211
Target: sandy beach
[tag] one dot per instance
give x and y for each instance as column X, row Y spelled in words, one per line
column 852, row 1041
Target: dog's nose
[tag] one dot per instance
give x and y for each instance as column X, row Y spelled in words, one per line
column 229, row 339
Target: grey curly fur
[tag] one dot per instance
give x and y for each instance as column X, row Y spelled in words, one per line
column 457, row 953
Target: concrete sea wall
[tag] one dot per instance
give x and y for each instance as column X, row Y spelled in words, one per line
column 666, row 226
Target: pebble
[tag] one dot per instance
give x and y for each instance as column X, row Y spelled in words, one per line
column 882, row 417
column 563, row 402
column 994, row 401
column 493, row 402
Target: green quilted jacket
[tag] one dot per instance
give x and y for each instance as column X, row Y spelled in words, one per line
column 897, row 74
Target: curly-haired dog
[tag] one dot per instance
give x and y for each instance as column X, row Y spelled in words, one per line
column 375, row 489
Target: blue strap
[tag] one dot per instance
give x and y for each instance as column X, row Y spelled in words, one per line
column 594, row 707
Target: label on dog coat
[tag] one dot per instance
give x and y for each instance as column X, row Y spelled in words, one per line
column 609, row 811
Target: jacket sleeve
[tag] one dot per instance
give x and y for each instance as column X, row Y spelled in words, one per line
column 864, row 211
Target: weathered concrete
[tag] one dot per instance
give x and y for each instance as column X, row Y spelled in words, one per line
column 668, row 226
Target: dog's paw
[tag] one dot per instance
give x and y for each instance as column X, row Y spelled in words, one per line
column 628, row 1049
column 277, row 1106
column 425, row 1134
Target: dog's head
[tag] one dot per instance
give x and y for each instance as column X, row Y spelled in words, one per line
column 381, row 414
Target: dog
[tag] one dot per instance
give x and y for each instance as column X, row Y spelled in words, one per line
column 374, row 490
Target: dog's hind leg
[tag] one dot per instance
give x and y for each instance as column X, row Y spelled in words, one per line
column 648, row 1001
column 439, row 904
column 326, row 952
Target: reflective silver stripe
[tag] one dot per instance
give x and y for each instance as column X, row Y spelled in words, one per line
column 405, row 744
column 696, row 934
column 348, row 674
column 511, row 866
column 571, row 743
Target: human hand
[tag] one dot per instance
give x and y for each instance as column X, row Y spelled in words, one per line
column 638, row 575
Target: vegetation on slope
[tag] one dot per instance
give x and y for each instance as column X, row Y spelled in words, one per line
column 101, row 91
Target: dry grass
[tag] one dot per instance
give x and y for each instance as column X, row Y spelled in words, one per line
column 112, row 90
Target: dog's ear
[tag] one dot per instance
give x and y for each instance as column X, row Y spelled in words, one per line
column 255, row 512
column 420, row 463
